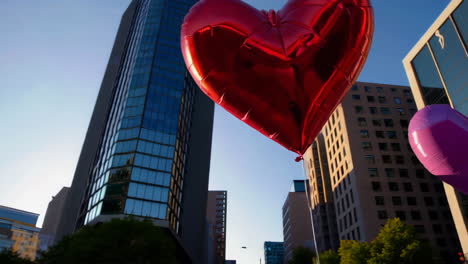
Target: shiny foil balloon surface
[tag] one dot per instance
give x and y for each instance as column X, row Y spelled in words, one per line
column 439, row 137
column 282, row 73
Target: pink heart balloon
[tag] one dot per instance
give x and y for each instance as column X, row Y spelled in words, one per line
column 439, row 137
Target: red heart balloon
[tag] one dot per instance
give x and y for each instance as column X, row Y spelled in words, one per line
column 282, row 73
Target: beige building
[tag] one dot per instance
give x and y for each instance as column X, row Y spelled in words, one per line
column 374, row 174
column 297, row 229
column 216, row 210
column 321, row 202
column 437, row 69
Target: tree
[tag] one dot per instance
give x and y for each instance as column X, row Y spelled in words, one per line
column 397, row 243
column 329, row 257
column 354, row 252
column 302, row 255
column 118, row 241
column 10, row 257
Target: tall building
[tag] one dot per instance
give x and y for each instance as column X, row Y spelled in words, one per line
column 52, row 219
column 321, row 200
column 148, row 145
column 216, row 213
column 18, row 232
column 274, row 252
column 374, row 174
column 437, row 69
column 297, row 229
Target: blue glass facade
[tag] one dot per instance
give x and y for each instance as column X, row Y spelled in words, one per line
column 274, row 252
column 441, row 67
column 139, row 169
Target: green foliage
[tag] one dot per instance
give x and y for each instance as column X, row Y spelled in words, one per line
column 396, row 243
column 329, row 257
column 354, row 252
column 118, row 241
column 302, row 255
column 10, row 257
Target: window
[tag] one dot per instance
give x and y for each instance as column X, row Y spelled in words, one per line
column 415, row 215
column 407, row 92
column 387, row 159
column 393, row 186
column 393, row 89
column 407, row 187
column 396, row 200
column 362, row 121
column 428, row 201
column 358, row 109
column 364, row 133
column 388, row 122
column 370, row 159
column 354, row 88
column 370, row 99
column 411, row 200
column 424, row 187
column 443, row 201
column 397, row 100
column 367, row 89
column 433, row 215
column 356, row 97
column 414, row 160
column 420, row 173
column 373, row 110
column 403, row 173
column 437, row 229
column 382, row 99
column 420, row 229
column 377, row 122
column 383, row 146
column 390, row 172
column 385, row 110
column 366, row 146
column 401, row 111
column 379, row 89
column 376, row 186
column 439, row 187
column 379, row 134
column 399, row 159
column 379, row 200
column 373, row 172
column 391, row 134
column 382, row 214
column 401, row 215
column 404, row 123
column 396, row 147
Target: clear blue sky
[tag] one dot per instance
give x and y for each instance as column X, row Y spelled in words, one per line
column 52, row 58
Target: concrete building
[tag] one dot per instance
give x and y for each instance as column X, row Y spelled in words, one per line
column 437, row 69
column 297, row 229
column 52, row 219
column 148, row 145
column 273, row 252
column 18, row 232
column 375, row 176
column 216, row 213
column 321, row 202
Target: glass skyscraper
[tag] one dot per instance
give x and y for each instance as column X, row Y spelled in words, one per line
column 147, row 149
column 437, row 69
column 274, row 252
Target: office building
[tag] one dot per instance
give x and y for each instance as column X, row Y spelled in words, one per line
column 18, row 232
column 216, row 212
column 148, row 145
column 374, row 174
column 321, row 196
column 274, row 252
column 297, row 229
column 437, row 69
column 52, row 219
